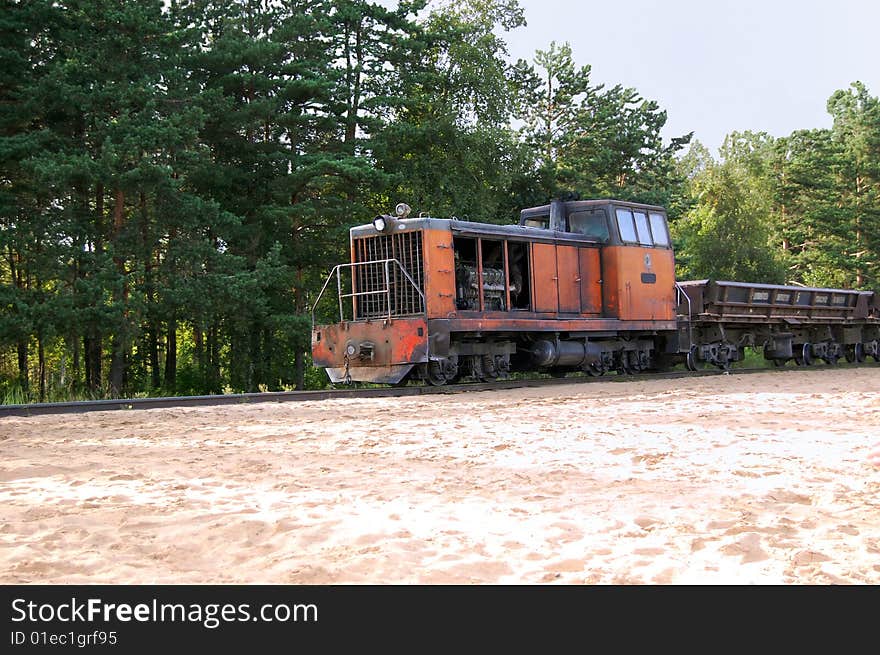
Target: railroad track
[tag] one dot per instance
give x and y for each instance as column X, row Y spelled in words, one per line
column 80, row 406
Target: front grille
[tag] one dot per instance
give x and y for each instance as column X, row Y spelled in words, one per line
column 405, row 299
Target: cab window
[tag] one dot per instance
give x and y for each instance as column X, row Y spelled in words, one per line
column 626, row 225
column 642, row 228
column 589, row 223
column 658, row 229
column 543, row 223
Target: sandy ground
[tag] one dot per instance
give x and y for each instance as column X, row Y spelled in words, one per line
column 730, row 479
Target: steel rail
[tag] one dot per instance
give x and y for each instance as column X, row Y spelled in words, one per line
column 81, row 406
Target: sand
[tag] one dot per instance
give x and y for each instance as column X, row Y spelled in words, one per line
column 735, row 479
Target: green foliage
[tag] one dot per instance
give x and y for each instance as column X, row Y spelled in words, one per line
column 726, row 234
column 594, row 141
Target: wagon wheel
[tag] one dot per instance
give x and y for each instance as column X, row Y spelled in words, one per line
column 805, row 357
column 693, row 363
column 859, row 353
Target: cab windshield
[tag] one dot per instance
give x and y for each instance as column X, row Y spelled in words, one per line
column 589, row 223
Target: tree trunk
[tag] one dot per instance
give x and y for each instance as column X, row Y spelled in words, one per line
column 214, row 354
column 41, row 359
column 267, row 374
column 117, row 366
column 153, row 337
column 199, row 344
column 87, row 361
column 171, row 354
column 119, row 339
column 92, row 346
column 254, row 361
column 23, row 364
column 300, row 362
column 74, row 375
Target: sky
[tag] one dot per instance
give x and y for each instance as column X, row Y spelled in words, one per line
column 717, row 66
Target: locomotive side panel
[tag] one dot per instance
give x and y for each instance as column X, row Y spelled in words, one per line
column 569, row 279
column 590, row 270
column 566, row 279
column 439, row 273
column 638, row 283
column 545, row 280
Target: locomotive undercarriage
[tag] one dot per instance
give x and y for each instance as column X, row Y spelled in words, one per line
column 488, row 358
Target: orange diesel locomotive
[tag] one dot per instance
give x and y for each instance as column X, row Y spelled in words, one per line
column 579, row 285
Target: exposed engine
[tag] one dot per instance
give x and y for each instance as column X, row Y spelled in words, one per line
column 467, row 291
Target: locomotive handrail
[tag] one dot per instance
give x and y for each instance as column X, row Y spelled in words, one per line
column 679, row 290
column 387, row 290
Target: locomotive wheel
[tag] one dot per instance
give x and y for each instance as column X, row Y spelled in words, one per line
column 693, row 363
column 594, row 370
column 434, row 374
column 488, row 371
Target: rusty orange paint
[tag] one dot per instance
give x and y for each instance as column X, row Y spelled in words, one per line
column 591, row 281
column 439, row 273
column 387, row 342
column 569, row 279
column 627, row 293
column 545, row 288
column 548, row 323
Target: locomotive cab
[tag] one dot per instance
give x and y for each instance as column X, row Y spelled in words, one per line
column 637, row 262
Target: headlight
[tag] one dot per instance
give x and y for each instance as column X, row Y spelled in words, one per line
column 379, row 223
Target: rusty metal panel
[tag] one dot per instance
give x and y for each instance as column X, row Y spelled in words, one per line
column 610, row 286
column 544, row 278
column 580, row 324
column 377, row 374
column 439, row 273
column 569, row 279
column 374, row 343
column 639, row 283
column 695, row 291
column 591, row 280
column 745, row 300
